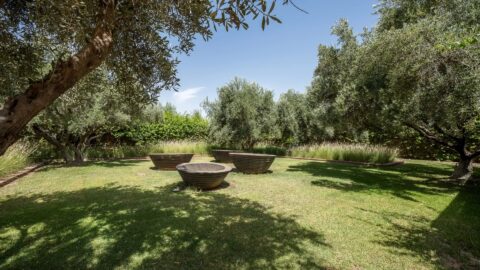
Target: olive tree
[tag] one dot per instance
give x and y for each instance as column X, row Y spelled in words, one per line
column 242, row 115
column 92, row 109
column 422, row 74
column 293, row 118
column 48, row 46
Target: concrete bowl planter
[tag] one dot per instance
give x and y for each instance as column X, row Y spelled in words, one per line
column 203, row 175
column 252, row 163
column 169, row 161
column 223, row 155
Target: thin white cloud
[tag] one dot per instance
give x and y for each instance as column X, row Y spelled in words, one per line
column 187, row 94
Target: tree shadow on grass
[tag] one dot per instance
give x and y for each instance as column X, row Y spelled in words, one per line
column 393, row 180
column 451, row 241
column 128, row 227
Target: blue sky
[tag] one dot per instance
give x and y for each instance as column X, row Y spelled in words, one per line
column 281, row 57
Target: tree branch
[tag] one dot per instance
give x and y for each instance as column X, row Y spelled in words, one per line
column 427, row 134
column 19, row 110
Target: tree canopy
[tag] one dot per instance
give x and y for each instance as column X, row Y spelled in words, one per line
column 49, row 45
column 419, row 70
column 243, row 114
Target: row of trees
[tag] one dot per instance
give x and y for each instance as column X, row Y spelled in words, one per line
column 245, row 114
column 94, row 113
column 413, row 81
column 49, row 46
column 417, row 72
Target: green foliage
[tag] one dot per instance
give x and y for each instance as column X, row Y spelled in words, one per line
column 325, row 95
column 346, row 152
column 418, row 71
column 36, row 35
column 167, row 126
column 293, row 119
column 87, row 112
column 243, row 115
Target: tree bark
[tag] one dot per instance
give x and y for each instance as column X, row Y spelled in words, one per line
column 19, row 110
column 61, row 148
column 464, row 170
column 79, row 156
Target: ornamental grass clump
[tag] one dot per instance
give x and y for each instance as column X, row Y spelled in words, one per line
column 16, row 158
column 346, row 152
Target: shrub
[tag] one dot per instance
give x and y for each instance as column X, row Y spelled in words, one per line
column 174, row 126
column 346, row 152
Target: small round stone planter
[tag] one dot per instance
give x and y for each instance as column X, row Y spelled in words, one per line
column 203, row 175
column 169, row 161
column 252, row 163
column 223, row 155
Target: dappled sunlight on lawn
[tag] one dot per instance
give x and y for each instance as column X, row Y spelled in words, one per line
column 120, row 226
column 301, row 215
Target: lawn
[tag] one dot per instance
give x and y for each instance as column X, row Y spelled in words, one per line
column 304, row 215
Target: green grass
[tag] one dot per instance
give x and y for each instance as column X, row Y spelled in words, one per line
column 346, row 152
column 304, row 215
column 16, row 158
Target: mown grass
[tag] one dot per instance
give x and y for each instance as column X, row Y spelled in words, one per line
column 303, row 215
column 16, row 158
column 346, row 152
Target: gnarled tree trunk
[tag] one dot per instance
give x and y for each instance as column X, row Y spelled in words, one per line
column 79, row 155
column 19, row 110
column 464, row 170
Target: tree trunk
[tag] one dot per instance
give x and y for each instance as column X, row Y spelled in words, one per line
column 79, row 157
column 19, row 110
column 464, row 170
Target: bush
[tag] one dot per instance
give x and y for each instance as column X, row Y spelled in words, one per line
column 346, row 152
column 173, row 127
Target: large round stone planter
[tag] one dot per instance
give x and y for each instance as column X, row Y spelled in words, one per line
column 203, row 175
column 223, row 155
column 169, row 161
column 252, row 163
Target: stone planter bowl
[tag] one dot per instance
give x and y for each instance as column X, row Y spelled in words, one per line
column 169, row 161
column 203, row 175
column 252, row 163
column 223, row 155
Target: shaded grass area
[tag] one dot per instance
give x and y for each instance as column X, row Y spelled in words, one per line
column 304, row 215
column 129, row 227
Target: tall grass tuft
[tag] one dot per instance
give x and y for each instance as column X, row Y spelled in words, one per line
column 199, row 148
column 16, row 158
column 126, row 151
column 346, row 152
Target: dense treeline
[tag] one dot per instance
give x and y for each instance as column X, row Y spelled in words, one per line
column 412, row 82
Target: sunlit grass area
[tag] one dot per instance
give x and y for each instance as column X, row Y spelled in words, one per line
column 303, row 215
